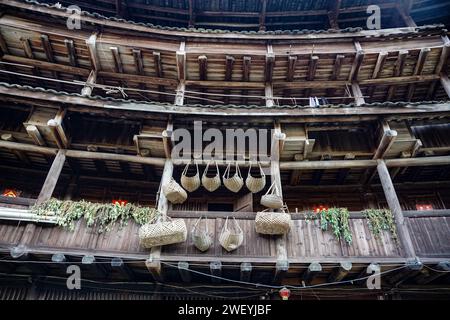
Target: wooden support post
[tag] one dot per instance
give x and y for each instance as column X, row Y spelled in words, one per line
column 159, row 72
column 52, row 177
column 46, row 192
column 183, row 269
column 340, row 272
column 426, row 275
column 87, row 89
column 413, row 268
column 215, row 267
column 313, row 62
column 292, row 63
column 357, row 94
column 246, row 271
column 313, row 269
column 153, row 263
column 387, row 139
column 394, row 206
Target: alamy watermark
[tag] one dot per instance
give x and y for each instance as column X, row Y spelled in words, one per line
column 74, row 279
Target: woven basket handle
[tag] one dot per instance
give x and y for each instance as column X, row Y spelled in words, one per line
column 198, row 221
column 272, row 186
column 226, row 173
column 185, row 169
column 263, row 175
column 238, row 171
column 207, row 168
column 236, row 225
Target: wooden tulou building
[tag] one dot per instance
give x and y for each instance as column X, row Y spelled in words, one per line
column 358, row 147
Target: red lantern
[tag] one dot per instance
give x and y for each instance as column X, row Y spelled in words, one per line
column 424, row 207
column 120, row 202
column 10, row 193
column 320, row 208
column 285, row 293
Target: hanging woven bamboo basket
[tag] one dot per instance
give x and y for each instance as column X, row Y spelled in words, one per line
column 255, row 184
column 274, row 223
column 235, row 182
column 272, row 199
column 174, row 192
column 162, row 233
column 211, row 183
column 201, row 238
column 231, row 238
column 190, row 183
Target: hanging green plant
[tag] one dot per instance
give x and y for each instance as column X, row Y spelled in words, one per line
column 337, row 218
column 381, row 220
column 100, row 216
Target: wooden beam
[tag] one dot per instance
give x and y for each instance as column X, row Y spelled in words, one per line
column 118, row 66
column 246, row 62
column 313, row 62
column 270, row 63
column 159, row 72
column 50, row 56
column 3, row 46
column 333, row 13
column 397, row 72
column 92, row 50
column 394, row 206
column 52, row 177
column 91, row 80
column 406, row 17
column 191, row 23
column 337, row 67
column 292, row 62
column 34, row 133
column 424, row 52
column 215, row 267
column 246, row 271
column 183, row 270
column 19, row 154
column 440, row 66
column 340, row 272
column 357, row 94
column 229, row 63
column 313, row 269
column 179, row 98
column 427, row 275
column 387, row 139
column 181, row 61
column 71, row 53
column 269, row 95
column 412, row 269
column 203, row 67
column 262, row 15
column 445, row 82
column 281, row 268
column 357, row 63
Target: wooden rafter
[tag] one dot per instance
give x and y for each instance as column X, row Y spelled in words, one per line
column 270, row 63
column 440, row 65
column 50, row 56
column 418, row 70
column 357, row 63
column 333, row 13
column 398, row 68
